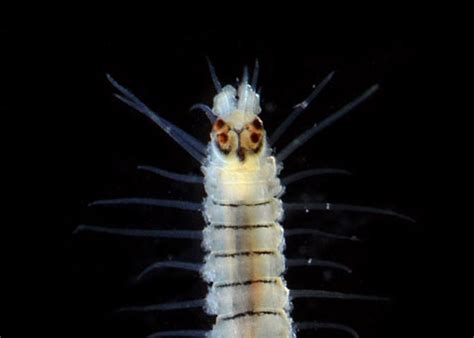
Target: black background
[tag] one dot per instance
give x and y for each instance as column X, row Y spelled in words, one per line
column 386, row 143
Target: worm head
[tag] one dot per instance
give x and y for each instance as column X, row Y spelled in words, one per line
column 238, row 132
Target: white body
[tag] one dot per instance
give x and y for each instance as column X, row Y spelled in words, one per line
column 243, row 238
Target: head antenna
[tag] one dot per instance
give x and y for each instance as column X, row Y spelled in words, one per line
column 316, row 128
column 298, row 109
column 245, row 75
column 189, row 143
column 256, row 69
column 206, row 109
column 214, row 78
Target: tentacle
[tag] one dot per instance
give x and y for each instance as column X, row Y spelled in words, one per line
column 321, row 326
column 256, row 70
column 299, row 108
column 345, row 207
column 206, row 109
column 172, row 175
column 185, row 205
column 334, row 295
column 180, row 333
column 187, row 234
column 185, row 145
column 171, row 264
column 215, row 80
column 130, row 99
column 300, row 231
column 245, row 75
column 185, row 140
column 317, row 262
column 305, row 136
column 189, row 304
column 312, row 172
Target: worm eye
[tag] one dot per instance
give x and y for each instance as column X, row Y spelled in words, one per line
column 257, row 124
column 255, row 137
column 223, row 138
column 222, row 141
column 219, row 124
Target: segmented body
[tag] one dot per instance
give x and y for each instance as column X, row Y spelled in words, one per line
column 245, row 243
column 243, row 237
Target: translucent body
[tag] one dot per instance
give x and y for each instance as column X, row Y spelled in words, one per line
column 243, row 236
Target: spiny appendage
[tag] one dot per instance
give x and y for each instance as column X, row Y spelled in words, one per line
column 172, row 175
column 317, row 127
column 188, row 142
column 326, row 206
column 299, row 109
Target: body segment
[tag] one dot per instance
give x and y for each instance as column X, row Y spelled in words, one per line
column 243, row 237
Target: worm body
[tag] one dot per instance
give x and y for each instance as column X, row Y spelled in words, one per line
column 243, row 236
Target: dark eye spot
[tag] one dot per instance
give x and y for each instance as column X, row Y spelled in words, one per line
column 223, row 138
column 219, row 124
column 257, row 124
column 255, row 137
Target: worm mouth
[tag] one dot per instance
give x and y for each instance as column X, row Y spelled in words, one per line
column 240, row 150
column 241, row 154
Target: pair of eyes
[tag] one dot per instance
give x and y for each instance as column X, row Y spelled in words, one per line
column 221, row 128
